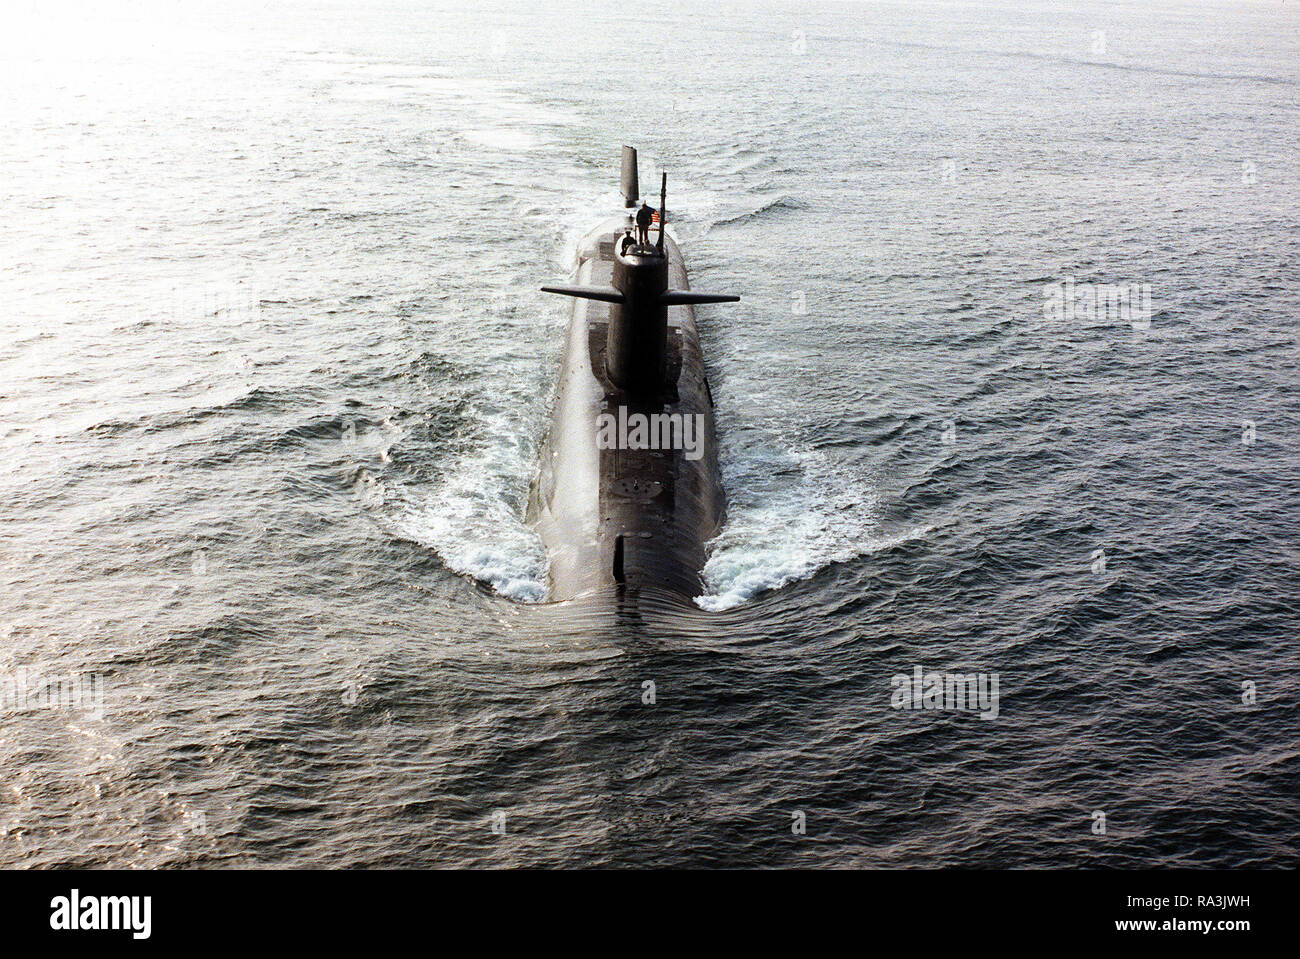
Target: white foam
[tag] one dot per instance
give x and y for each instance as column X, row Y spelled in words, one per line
column 470, row 521
column 792, row 512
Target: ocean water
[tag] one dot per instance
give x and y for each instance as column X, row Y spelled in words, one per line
column 274, row 370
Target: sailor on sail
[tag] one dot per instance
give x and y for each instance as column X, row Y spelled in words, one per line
column 644, row 217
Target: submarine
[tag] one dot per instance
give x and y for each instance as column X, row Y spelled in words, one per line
column 628, row 489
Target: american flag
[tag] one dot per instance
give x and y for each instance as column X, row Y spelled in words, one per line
column 654, row 216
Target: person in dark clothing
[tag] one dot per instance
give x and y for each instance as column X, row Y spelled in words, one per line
column 643, row 218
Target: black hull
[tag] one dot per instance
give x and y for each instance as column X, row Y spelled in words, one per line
column 626, row 519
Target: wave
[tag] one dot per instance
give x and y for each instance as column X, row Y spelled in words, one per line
column 236, row 398
column 472, row 518
column 1134, row 66
column 772, row 208
column 793, row 513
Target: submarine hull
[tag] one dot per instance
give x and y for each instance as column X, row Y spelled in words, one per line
column 615, row 512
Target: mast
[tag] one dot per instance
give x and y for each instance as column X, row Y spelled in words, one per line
column 628, row 180
column 663, row 209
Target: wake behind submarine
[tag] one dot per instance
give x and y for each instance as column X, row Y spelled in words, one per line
column 628, row 489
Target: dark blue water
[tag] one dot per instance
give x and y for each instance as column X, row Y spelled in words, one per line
column 274, row 370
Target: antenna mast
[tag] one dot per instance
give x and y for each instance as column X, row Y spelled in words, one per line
column 663, row 209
